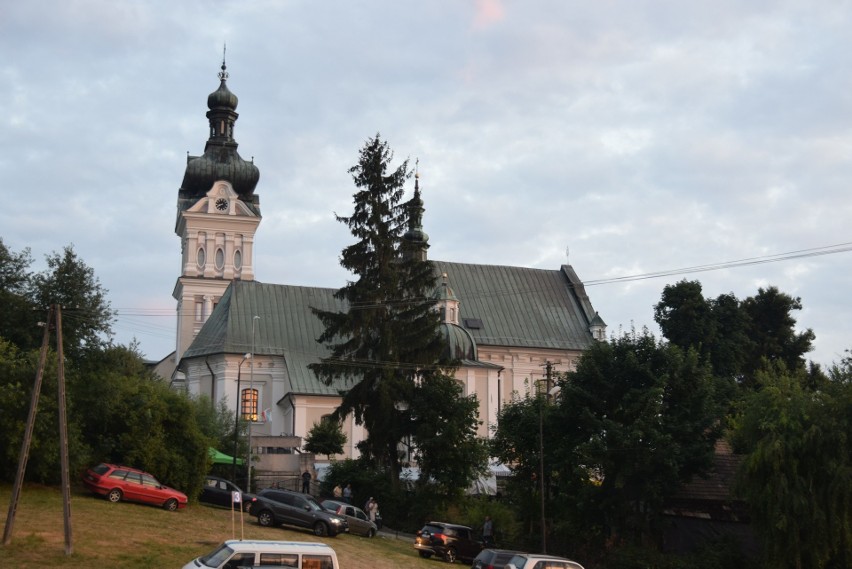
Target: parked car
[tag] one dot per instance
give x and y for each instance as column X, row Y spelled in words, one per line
column 220, row 492
column 359, row 522
column 533, row 561
column 274, row 507
column 450, row 541
column 258, row 553
column 118, row 483
column 493, row 558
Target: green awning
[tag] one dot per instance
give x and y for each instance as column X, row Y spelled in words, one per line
column 222, row 458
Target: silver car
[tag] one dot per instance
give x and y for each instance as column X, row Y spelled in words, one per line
column 533, row 561
column 359, row 523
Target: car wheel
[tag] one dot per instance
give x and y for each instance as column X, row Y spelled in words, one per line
column 425, row 554
column 114, row 495
column 450, row 556
column 371, row 532
column 320, row 529
column 266, row 519
column 171, row 505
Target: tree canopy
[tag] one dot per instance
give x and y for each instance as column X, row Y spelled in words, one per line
column 796, row 476
column 325, row 437
column 117, row 410
column 635, row 420
column 735, row 336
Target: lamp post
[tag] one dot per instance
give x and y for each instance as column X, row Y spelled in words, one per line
column 253, row 410
column 237, row 418
column 542, row 402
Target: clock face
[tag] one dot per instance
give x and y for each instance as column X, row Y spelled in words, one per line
column 221, row 204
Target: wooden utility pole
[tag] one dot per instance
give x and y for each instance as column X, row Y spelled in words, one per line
column 63, row 434
column 54, row 318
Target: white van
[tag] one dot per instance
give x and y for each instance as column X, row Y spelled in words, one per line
column 256, row 554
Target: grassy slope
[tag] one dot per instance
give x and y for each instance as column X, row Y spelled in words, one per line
column 134, row 536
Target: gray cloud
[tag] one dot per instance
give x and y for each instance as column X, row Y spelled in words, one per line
column 641, row 136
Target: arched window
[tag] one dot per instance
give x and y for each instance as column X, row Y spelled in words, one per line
column 248, row 405
column 220, row 258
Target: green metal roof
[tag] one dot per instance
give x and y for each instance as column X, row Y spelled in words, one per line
column 517, row 306
column 500, row 306
column 286, row 327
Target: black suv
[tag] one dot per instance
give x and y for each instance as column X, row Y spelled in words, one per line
column 450, row 541
column 274, row 507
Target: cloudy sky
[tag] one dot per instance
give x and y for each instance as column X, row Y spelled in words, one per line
column 629, row 138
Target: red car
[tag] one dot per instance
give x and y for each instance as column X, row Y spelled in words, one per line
column 118, row 483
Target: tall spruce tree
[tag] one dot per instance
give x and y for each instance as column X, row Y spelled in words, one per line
column 387, row 342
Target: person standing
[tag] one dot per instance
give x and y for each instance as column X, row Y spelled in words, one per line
column 347, row 494
column 306, row 482
column 488, row 532
column 372, row 509
column 338, row 492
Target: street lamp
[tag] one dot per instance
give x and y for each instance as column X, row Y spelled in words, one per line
column 237, row 418
column 253, row 411
column 541, row 404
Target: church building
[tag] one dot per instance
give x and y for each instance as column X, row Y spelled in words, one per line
column 250, row 343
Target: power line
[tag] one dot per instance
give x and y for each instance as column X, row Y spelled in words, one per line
column 801, row 254
column 133, row 317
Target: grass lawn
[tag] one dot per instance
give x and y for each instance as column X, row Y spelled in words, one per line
column 134, row 536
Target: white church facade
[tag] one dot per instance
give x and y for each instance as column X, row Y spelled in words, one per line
column 250, row 343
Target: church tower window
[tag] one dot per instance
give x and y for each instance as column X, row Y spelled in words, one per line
column 220, row 259
column 201, row 258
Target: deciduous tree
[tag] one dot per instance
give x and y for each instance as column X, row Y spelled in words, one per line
column 326, row 437
column 796, row 474
column 87, row 316
column 735, row 336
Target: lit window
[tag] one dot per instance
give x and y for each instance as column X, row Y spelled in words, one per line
column 248, row 407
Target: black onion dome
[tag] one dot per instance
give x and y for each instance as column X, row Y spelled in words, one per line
column 220, row 160
column 219, row 163
column 222, row 98
column 459, row 343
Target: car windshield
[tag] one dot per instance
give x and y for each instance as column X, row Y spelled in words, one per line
column 218, row 556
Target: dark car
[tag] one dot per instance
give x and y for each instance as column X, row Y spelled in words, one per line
column 220, row 492
column 117, row 483
column 273, row 507
column 358, row 521
column 493, row 558
column 450, row 541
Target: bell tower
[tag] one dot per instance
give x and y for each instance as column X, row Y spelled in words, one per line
column 217, row 216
